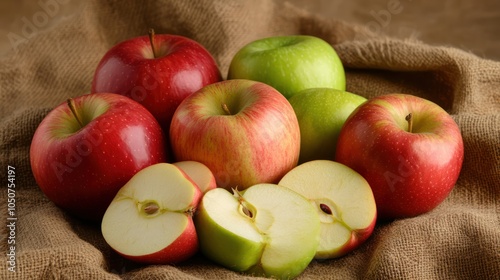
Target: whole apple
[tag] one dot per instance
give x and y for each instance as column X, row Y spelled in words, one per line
column 409, row 150
column 85, row 150
column 289, row 64
column 321, row 112
column 158, row 71
column 244, row 131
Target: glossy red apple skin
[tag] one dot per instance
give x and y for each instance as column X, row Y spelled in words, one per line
column 182, row 67
column 81, row 173
column 409, row 173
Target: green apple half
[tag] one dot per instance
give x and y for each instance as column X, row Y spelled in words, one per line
column 267, row 230
column 289, row 64
column 321, row 113
column 343, row 200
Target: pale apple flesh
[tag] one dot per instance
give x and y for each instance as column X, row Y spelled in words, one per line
column 150, row 219
column 343, row 200
column 199, row 173
column 267, row 230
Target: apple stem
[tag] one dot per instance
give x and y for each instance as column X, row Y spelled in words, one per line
column 226, row 109
column 152, row 41
column 71, row 105
column 409, row 119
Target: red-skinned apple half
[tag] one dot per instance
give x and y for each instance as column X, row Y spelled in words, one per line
column 409, row 150
column 151, row 218
column 158, row 71
column 246, row 132
column 199, row 173
column 86, row 149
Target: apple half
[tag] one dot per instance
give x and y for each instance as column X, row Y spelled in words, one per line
column 199, row 173
column 267, row 230
column 150, row 218
column 343, row 200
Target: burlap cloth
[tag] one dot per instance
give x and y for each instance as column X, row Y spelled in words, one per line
column 458, row 240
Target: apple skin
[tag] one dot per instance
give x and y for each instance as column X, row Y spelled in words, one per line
column 258, row 142
column 277, row 240
column 199, row 173
column 81, row 170
column 160, row 84
column 344, row 201
column 321, row 112
column 289, row 64
column 410, row 173
column 178, row 251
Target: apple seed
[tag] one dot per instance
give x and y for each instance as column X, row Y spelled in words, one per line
column 151, row 208
column 325, row 209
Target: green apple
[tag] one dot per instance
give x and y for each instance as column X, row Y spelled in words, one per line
column 321, row 113
column 289, row 64
column 343, row 199
column 267, row 230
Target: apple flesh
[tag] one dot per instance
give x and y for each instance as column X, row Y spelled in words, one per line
column 343, row 200
column 244, row 131
column 267, row 230
column 199, row 173
column 321, row 112
column 81, row 162
column 289, row 64
column 409, row 150
column 150, row 219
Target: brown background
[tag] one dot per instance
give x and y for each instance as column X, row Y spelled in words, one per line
column 470, row 25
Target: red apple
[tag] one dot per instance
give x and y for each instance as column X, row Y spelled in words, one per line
column 409, row 150
column 158, row 71
column 85, row 150
column 245, row 132
column 151, row 218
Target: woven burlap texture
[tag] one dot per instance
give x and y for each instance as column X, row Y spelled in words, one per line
column 460, row 239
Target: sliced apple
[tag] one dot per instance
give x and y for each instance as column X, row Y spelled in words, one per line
column 267, row 230
column 150, row 218
column 199, row 173
column 343, row 200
